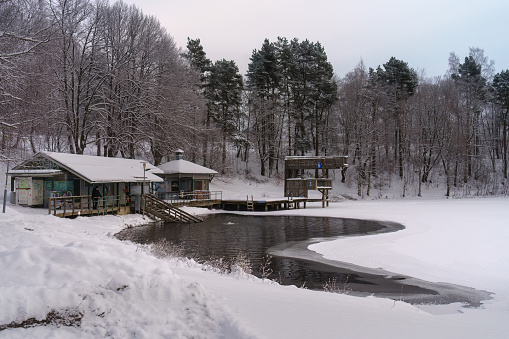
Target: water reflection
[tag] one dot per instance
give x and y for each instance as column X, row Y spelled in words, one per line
column 225, row 235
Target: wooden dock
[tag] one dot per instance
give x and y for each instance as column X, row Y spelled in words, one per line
column 269, row 204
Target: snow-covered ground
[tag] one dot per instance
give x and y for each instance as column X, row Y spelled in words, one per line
column 75, row 268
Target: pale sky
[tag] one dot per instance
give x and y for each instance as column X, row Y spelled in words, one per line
column 419, row 32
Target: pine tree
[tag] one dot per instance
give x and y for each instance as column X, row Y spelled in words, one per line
column 400, row 82
column 313, row 91
column 197, row 56
column 472, row 86
column 263, row 81
column 199, row 62
column 501, row 97
column 224, row 92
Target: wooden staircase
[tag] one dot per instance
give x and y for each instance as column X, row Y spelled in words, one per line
column 155, row 207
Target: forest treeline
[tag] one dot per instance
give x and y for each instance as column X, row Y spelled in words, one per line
column 80, row 75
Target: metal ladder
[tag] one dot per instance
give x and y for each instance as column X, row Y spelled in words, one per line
column 250, row 204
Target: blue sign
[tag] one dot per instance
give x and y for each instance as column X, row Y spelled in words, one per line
column 310, row 183
column 318, row 165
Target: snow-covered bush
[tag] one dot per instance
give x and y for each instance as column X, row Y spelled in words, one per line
column 164, row 248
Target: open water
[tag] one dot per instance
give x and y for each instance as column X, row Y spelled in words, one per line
column 285, row 239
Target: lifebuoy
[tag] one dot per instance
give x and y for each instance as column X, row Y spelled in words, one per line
column 106, row 190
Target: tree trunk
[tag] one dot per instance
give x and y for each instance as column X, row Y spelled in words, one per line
column 505, row 146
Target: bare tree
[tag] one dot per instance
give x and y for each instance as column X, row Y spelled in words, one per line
column 77, row 73
column 23, row 29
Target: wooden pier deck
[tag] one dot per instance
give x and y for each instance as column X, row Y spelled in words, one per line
column 262, row 204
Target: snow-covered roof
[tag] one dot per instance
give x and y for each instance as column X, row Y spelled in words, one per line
column 34, row 172
column 182, row 166
column 96, row 169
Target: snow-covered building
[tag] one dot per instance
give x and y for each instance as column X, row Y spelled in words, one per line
column 183, row 178
column 50, row 174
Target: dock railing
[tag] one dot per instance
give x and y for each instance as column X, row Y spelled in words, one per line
column 84, row 205
column 194, row 198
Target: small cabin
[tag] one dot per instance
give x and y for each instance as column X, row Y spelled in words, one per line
column 184, row 180
column 50, row 178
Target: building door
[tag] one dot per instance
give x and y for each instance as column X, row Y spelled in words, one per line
column 184, row 185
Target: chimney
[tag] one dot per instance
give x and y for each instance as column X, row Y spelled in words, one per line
column 179, row 154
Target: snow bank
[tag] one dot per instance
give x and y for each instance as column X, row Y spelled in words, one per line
column 109, row 288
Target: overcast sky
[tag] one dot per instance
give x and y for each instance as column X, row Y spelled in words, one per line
column 419, row 32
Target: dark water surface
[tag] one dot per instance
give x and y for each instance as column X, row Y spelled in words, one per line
column 286, row 238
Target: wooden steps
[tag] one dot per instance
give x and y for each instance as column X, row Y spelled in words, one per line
column 155, row 207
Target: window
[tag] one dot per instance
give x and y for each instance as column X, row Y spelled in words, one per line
column 175, row 186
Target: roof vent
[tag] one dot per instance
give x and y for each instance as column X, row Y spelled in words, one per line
column 179, row 154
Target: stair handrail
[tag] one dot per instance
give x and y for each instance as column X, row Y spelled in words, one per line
column 173, row 211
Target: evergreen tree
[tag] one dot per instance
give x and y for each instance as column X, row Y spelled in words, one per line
column 224, row 92
column 263, row 75
column 197, row 56
column 293, row 86
column 263, row 80
column 472, row 87
column 501, row 97
column 400, row 82
column 313, row 91
column 285, row 59
column 200, row 63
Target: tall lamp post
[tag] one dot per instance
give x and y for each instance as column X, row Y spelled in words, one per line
column 6, row 182
column 143, row 183
column 145, row 169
